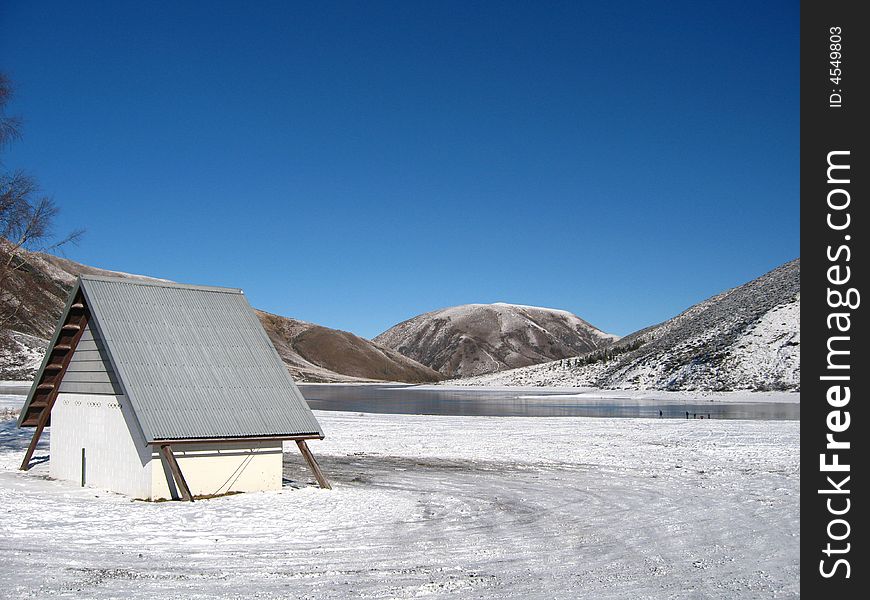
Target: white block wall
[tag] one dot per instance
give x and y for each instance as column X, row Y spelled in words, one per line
column 118, row 459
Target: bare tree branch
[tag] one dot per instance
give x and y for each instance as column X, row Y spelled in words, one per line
column 10, row 127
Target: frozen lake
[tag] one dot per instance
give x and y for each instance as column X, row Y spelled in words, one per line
column 547, row 402
column 523, row 402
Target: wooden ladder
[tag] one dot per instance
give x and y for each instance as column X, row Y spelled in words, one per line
column 60, row 354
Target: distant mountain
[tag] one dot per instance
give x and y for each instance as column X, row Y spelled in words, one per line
column 315, row 353
column 746, row 338
column 311, row 352
column 472, row 339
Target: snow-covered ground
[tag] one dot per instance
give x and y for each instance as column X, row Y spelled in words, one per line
column 458, row 507
column 12, row 394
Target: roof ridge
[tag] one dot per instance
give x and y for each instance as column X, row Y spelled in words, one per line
column 159, row 283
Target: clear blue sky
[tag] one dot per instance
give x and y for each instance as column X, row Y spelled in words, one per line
column 356, row 163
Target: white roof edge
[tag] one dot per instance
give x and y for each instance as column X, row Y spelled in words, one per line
column 162, row 283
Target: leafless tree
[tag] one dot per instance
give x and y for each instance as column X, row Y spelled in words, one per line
column 10, row 127
column 26, row 218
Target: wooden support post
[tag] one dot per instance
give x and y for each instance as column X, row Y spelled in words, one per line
column 180, row 482
column 312, row 464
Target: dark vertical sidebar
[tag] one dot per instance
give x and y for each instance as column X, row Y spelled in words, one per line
column 834, row 227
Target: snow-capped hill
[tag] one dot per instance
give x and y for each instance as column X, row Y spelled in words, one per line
column 746, row 338
column 525, row 307
column 471, row 339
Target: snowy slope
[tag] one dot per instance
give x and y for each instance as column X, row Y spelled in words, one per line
column 747, row 338
column 472, row 339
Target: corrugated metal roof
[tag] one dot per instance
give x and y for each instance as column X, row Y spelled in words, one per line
column 194, row 361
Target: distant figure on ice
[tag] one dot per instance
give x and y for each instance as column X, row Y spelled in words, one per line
column 687, row 414
column 694, row 415
column 660, row 414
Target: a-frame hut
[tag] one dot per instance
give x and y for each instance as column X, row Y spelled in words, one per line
column 161, row 390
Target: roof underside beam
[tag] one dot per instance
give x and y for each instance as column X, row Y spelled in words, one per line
column 274, row 438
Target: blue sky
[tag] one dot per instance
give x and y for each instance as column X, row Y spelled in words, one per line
column 356, row 163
